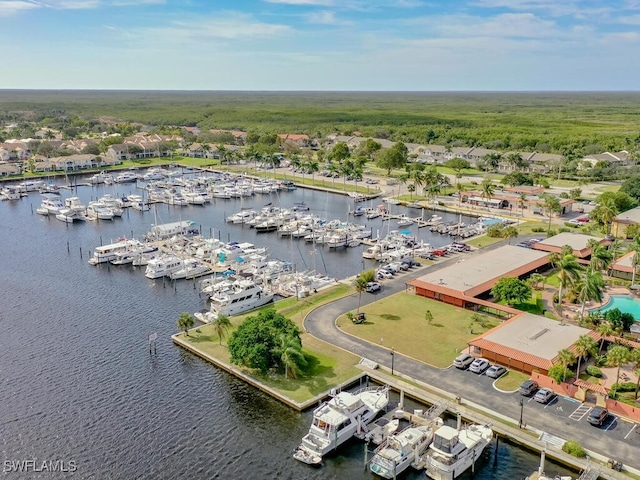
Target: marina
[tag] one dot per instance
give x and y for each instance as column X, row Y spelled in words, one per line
column 79, row 377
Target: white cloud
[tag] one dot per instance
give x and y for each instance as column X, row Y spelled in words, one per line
column 325, row 17
column 69, row 4
column 629, row 20
column 512, row 25
column 13, row 7
column 321, row 3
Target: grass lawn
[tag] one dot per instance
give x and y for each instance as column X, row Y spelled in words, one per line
column 483, row 241
column 328, row 365
column 511, row 381
column 534, row 305
column 608, row 188
column 399, row 322
column 588, row 378
column 552, row 280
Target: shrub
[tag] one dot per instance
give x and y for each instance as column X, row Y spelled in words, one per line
column 564, row 230
column 551, row 233
column 570, row 225
column 537, row 229
column 573, row 447
column 594, row 371
column 623, row 387
column 601, row 360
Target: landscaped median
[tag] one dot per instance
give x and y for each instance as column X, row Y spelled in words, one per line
column 328, row 366
column 401, row 322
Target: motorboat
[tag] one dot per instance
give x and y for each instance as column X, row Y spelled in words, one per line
column 75, row 204
column 70, row 215
column 99, row 211
column 185, row 228
column 126, row 177
column 381, row 429
column 454, row 450
column 404, row 221
column 138, row 202
column 241, row 217
column 164, row 265
column 51, row 205
column 101, row 177
column 131, row 255
column 242, row 296
column 339, row 419
column 191, row 269
column 400, row 450
column 106, row 253
column 10, row 193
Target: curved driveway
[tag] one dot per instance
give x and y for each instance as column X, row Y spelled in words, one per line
column 321, row 323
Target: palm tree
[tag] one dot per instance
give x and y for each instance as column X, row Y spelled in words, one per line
column 487, row 190
column 313, row 166
column 585, row 345
column 617, row 356
column 589, row 286
column 361, row 281
column 206, row 148
column 604, row 329
column 635, row 359
column 635, row 259
column 568, row 272
column 601, row 256
column 509, row 233
column 291, row 355
column 185, row 322
column 522, row 201
column 221, row 324
column 565, row 358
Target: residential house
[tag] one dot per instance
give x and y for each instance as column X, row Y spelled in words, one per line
column 617, row 158
column 7, row 169
column 623, row 220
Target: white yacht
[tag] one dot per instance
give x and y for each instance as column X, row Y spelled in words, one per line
column 126, row 177
column 101, row 177
column 70, row 215
column 187, row 228
column 241, row 217
column 9, row 193
column 75, row 204
column 163, row 265
column 404, row 221
column 106, row 253
column 339, row 419
column 242, row 296
column 99, row 211
column 191, row 269
column 130, row 255
column 454, row 450
column 51, row 205
column 138, row 202
column 400, row 450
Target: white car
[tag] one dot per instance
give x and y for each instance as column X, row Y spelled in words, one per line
column 373, row 287
column 479, row 365
column 384, row 273
column 395, row 266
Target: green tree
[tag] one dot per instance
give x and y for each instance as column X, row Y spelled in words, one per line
column 361, row 281
column 221, row 325
column 604, row 213
column 605, row 329
column 590, row 286
column 487, row 190
column 291, row 356
column 457, row 165
column 340, row 152
column 492, row 161
column 556, row 372
column 394, row 157
column 256, row 342
column 618, row 355
column 634, row 247
column 511, row 290
column 185, row 322
column 584, row 346
column 634, row 358
column 565, row 358
column 535, row 279
column 601, row 256
column 568, row 273
column 551, row 205
column 509, row 232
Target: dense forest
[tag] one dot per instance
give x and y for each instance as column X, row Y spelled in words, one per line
column 544, row 122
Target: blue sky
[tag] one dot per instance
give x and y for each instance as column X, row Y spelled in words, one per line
column 321, row 44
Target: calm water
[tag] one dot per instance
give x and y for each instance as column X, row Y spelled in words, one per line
column 79, row 384
column 625, row 303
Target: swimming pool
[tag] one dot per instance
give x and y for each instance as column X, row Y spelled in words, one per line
column 625, row 303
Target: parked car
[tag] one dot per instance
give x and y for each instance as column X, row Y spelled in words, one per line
column 544, row 395
column 495, row 371
column 373, row 287
column 528, row 388
column 410, row 263
column 597, row 416
column 382, row 273
column 479, row 365
column 463, row 360
column 439, row 252
column 466, row 247
column 395, row 266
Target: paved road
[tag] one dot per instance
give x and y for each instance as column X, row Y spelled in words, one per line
column 609, row 440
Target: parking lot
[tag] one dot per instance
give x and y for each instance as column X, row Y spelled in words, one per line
column 567, row 410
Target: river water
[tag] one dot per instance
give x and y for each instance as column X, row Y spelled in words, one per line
column 79, row 384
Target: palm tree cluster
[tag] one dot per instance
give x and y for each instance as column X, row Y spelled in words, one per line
column 586, row 283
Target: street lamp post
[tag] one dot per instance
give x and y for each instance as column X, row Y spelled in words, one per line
column 521, row 412
column 392, row 352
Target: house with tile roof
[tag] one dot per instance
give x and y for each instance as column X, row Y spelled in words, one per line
column 528, row 342
column 623, row 220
